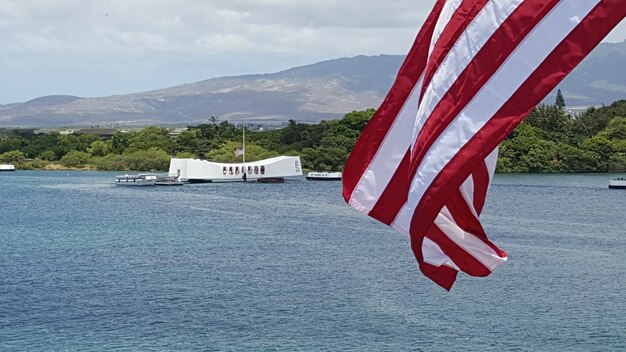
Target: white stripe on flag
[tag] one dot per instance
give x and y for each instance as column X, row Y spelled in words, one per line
column 433, row 255
column 471, row 100
column 468, row 241
column 388, row 157
column 529, row 54
column 461, row 55
column 447, row 12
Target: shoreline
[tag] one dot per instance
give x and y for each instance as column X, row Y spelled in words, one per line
column 59, row 167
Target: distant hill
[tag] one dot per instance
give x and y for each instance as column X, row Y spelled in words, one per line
column 599, row 79
column 325, row 90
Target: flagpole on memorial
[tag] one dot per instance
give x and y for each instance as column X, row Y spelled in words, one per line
column 245, row 176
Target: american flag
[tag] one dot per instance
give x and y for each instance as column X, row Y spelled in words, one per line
column 239, row 151
column 425, row 161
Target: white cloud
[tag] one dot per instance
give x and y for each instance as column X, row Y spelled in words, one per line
column 103, row 47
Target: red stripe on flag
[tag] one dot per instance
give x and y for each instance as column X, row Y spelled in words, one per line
column 451, row 171
column 463, row 16
column 485, row 63
column 464, row 260
column 442, row 275
column 463, row 215
column 391, row 201
column 493, row 54
column 376, row 130
column 562, row 60
column 466, row 220
column 480, row 178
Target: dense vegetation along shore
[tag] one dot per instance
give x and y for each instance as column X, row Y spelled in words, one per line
column 549, row 140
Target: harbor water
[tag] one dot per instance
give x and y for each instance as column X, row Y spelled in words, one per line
column 89, row 266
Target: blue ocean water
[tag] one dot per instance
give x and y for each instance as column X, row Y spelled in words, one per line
column 88, row 266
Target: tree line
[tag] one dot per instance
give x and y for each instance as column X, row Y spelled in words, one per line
column 549, row 140
column 552, row 140
column 322, row 146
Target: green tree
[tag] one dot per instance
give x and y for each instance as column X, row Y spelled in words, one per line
column 228, row 132
column 75, row 158
column 206, row 131
column 578, row 160
column 48, row 155
column 226, row 153
column 189, row 141
column 38, row 144
column 616, row 129
column 269, row 140
column 119, row 142
column 186, row 155
column 99, row 148
column 151, row 138
column 617, row 163
column 594, row 120
column 292, row 133
column 541, row 157
column 357, row 120
column 69, row 143
column 13, row 156
column 602, row 147
column 324, row 158
column 12, row 142
column 338, row 140
column 86, row 140
column 560, row 101
column 111, row 162
column 551, row 119
column 146, row 160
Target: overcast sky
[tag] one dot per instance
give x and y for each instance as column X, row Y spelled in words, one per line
column 93, row 48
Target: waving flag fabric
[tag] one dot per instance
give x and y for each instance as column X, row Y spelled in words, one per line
column 239, row 151
column 425, row 161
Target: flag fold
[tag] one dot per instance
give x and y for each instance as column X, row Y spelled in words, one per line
column 424, row 163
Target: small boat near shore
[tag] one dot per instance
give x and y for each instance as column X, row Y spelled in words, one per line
column 323, row 176
column 618, row 183
column 136, row 180
column 7, row 167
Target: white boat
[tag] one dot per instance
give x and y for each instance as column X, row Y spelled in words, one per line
column 168, row 181
column 323, row 176
column 136, row 180
column 618, row 183
column 7, row 167
column 267, row 170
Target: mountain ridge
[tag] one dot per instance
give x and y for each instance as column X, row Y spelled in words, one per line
column 320, row 91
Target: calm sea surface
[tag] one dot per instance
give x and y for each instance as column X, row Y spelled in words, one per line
column 88, row 266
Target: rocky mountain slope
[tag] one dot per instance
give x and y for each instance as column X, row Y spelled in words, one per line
column 325, row 90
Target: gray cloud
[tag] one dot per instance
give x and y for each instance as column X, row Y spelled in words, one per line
column 104, row 47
